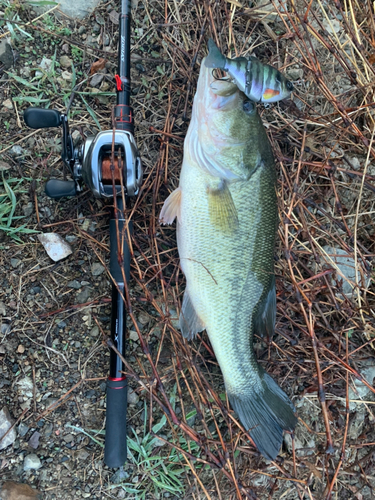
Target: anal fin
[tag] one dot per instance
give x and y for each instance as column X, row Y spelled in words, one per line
column 264, row 321
column 190, row 322
column 171, row 207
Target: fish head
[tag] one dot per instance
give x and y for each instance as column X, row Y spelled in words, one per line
column 275, row 85
column 222, row 126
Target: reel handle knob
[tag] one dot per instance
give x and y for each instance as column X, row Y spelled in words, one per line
column 42, row 118
column 56, row 188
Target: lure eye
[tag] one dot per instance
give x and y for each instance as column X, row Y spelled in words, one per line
column 289, row 86
column 248, row 107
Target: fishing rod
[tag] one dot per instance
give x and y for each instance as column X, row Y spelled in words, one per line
column 110, row 165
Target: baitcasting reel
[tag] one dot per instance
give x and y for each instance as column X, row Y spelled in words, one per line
column 96, row 161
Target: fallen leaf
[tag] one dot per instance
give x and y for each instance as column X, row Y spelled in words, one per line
column 19, row 491
column 313, row 469
column 371, row 59
column 97, row 66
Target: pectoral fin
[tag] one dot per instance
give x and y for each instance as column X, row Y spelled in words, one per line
column 223, row 213
column 190, row 323
column 171, row 207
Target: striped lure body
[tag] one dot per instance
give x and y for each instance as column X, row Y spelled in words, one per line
column 259, row 82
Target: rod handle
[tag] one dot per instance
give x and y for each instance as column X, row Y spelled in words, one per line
column 115, row 450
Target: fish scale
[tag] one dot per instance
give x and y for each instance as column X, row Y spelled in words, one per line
column 226, row 226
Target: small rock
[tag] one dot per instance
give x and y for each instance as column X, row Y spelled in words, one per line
column 83, row 295
column 22, row 429
column 16, row 150
column 159, row 442
column 71, row 238
column 19, row 491
column 3, row 311
column 74, row 284
column 356, row 164
column 55, row 246
column 133, row 397
column 50, row 402
column 32, row 461
column 346, row 265
column 66, row 48
column 295, row 74
column 15, row 263
column 114, row 17
column 20, row 349
column 143, row 318
column 4, row 166
column 6, row 423
column 81, row 30
column 34, row 440
column 97, row 269
column 133, row 336
column 68, row 438
column 81, row 454
column 332, row 26
column 66, row 62
column 5, row 328
column 48, row 428
column 26, row 72
column 45, row 65
column 6, row 54
column 361, row 390
column 8, row 104
column 28, row 209
column 25, row 387
column 67, row 76
column 95, row 331
column 95, row 81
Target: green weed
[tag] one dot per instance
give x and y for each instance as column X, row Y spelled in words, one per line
column 9, row 188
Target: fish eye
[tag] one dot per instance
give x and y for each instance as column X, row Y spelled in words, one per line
column 248, row 107
column 289, row 86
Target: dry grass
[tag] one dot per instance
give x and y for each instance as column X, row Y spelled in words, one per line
column 323, row 142
column 324, row 199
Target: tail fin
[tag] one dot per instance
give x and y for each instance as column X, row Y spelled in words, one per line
column 215, row 58
column 266, row 413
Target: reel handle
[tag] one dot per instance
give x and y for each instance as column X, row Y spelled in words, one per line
column 42, row 118
column 56, row 188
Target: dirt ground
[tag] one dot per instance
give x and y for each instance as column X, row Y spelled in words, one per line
column 55, row 317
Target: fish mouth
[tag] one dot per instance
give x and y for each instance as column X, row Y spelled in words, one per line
column 205, row 79
column 214, row 93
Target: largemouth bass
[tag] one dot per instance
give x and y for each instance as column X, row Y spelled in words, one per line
column 259, row 82
column 226, row 225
